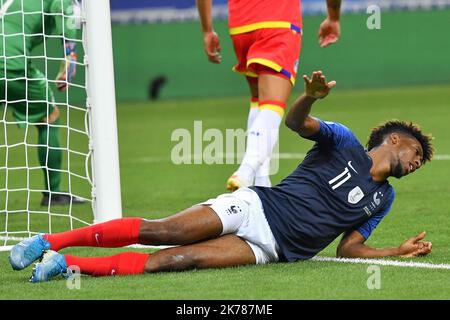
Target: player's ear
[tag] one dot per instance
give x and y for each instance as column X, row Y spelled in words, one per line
column 394, row 138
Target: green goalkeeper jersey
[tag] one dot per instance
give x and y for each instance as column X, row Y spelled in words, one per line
column 24, row 24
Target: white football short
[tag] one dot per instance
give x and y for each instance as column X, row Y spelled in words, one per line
column 242, row 214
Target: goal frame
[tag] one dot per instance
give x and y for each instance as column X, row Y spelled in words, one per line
column 101, row 109
column 101, row 101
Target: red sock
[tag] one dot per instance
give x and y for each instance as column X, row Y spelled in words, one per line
column 111, row 234
column 119, row 264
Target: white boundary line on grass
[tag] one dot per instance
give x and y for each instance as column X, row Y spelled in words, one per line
column 393, row 263
column 381, row 262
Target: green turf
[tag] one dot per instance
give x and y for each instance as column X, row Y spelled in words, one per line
column 153, row 187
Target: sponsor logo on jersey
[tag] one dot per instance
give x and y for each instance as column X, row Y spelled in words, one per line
column 351, row 167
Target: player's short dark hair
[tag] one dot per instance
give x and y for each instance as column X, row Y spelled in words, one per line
column 379, row 133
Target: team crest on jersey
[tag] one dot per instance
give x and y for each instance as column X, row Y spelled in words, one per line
column 355, row 195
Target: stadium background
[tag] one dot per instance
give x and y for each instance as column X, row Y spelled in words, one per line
column 154, row 38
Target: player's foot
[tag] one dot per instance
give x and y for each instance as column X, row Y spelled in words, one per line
column 235, row 182
column 60, row 199
column 26, row 252
column 52, row 265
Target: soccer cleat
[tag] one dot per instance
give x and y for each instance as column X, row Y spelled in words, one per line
column 60, row 199
column 235, row 182
column 52, row 265
column 26, row 252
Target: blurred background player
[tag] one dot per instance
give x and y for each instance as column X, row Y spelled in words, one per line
column 266, row 36
column 25, row 89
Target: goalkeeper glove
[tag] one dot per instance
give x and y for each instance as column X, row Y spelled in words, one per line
column 68, row 68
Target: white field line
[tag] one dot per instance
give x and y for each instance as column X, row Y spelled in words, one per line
column 381, row 262
column 281, row 156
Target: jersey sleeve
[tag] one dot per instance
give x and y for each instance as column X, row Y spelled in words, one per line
column 367, row 228
column 334, row 134
column 67, row 21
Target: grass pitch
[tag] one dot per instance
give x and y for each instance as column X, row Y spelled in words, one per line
column 153, row 187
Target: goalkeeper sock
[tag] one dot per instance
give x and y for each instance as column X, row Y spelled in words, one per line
column 261, row 138
column 50, row 158
column 111, row 234
column 120, row 264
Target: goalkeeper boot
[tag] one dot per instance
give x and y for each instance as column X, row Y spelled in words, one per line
column 52, row 264
column 26, row 252
column 60, row 199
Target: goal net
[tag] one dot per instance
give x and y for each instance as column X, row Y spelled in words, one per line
column 48, row 90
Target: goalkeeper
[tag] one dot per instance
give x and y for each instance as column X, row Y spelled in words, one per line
column 25, row 89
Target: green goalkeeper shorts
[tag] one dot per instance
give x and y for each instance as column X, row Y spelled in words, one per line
column 30, row 98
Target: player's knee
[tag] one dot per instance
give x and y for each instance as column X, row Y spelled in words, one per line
column 172, row 261
column 159, row 231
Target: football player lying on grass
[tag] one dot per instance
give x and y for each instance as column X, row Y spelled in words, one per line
column 339, row 188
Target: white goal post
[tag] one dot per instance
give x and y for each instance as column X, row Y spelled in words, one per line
column 89, row 147
column 102, row 104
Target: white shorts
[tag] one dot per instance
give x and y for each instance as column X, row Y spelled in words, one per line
column 242, row 214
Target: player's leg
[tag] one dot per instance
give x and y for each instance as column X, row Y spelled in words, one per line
column 191, row 225
column 273, row 88
column 263, row 133
column 273, row 56
column 235, row 181
column 198, row 223
column 222, row 252
column 225, row 251
column 46, row 116
column 262, row 173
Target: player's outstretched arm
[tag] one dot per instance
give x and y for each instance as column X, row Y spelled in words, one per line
column 298, row 118
column 352, row 246
column 330, row 29
column 211, row 41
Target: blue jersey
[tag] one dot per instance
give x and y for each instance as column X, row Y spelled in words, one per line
column 329, row 193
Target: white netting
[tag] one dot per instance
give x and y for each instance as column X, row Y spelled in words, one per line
column 22, row 176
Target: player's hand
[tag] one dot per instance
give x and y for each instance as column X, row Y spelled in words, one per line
column 212, row 46
column 317, row 87
column 415, row 247
column 329, row 32
column 67, row 71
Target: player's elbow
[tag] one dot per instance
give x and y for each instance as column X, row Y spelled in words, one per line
column 346, row 250
column 289, row 123
column 341, row 253
column 293, row 125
